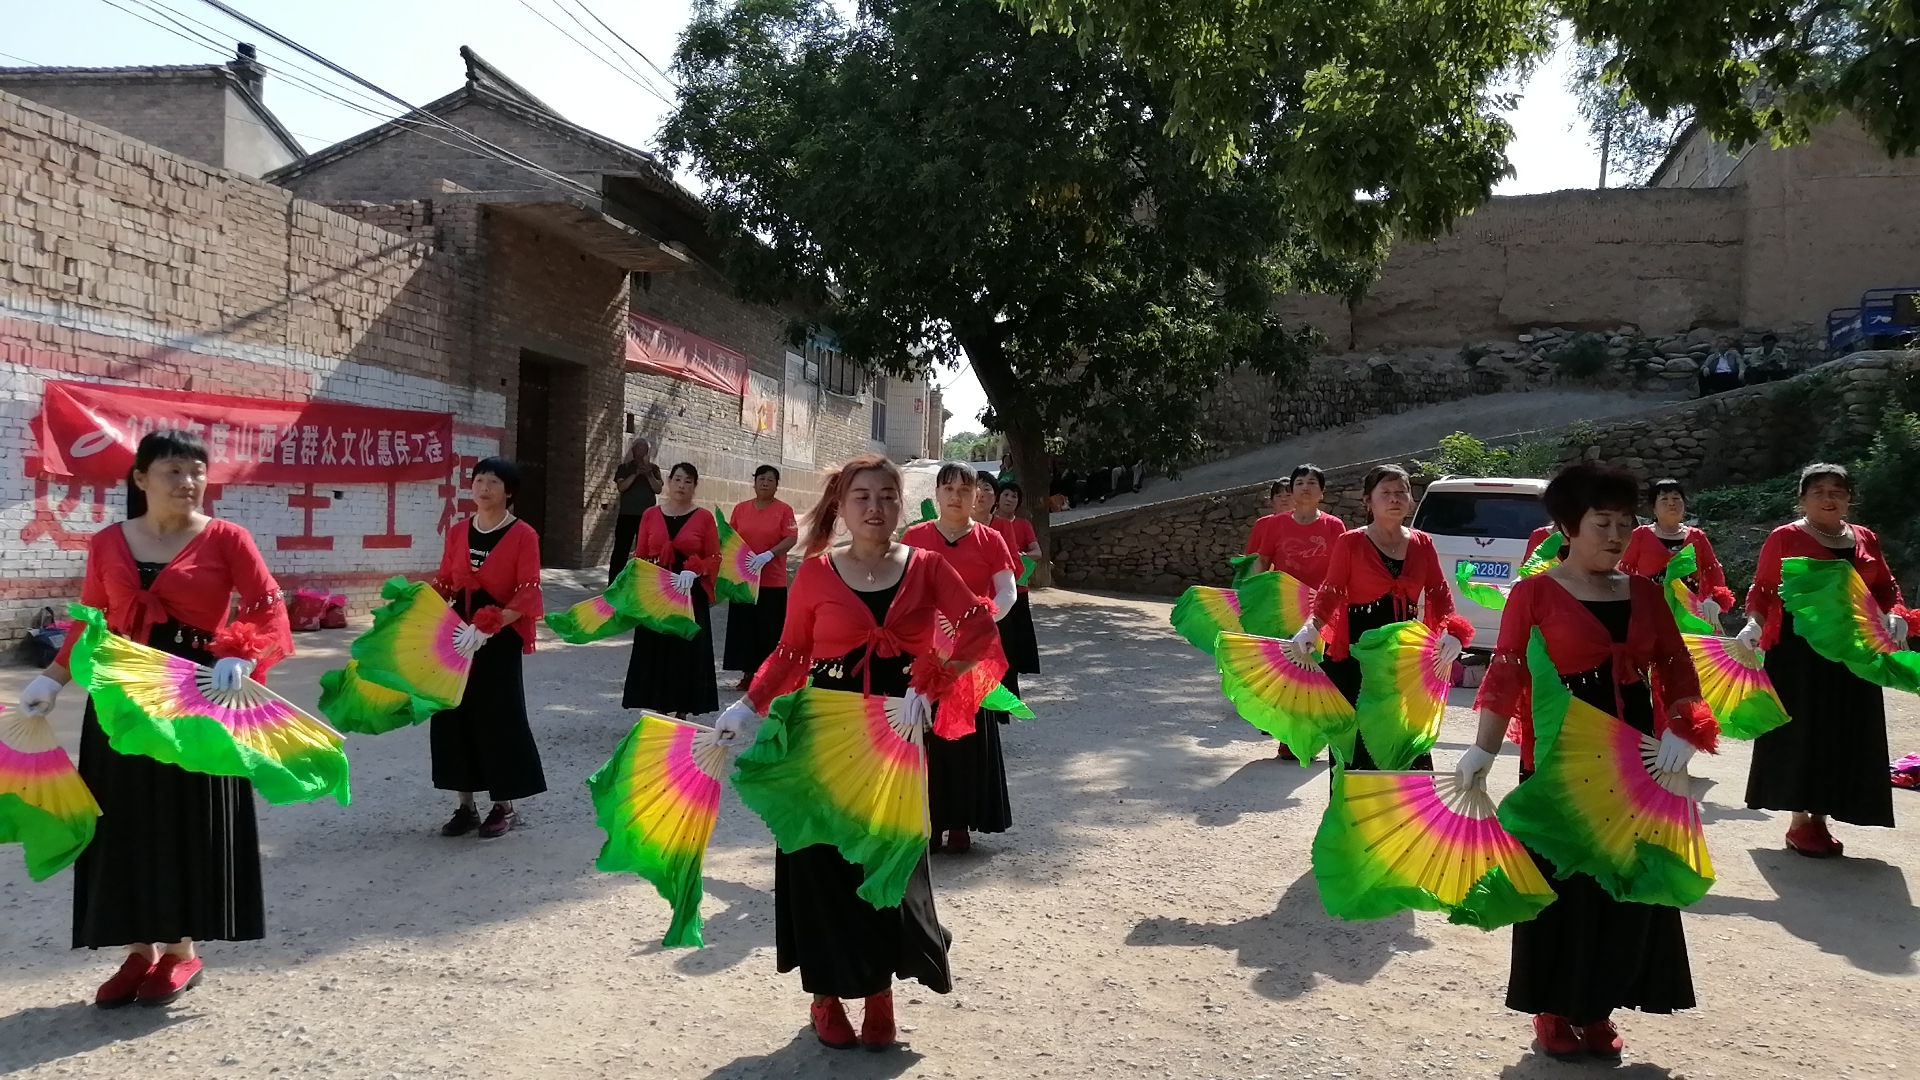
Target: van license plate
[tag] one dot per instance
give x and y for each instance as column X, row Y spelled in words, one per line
column 1498, row 571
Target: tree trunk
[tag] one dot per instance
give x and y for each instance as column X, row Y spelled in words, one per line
column 1026, row 432
column 1035, row 475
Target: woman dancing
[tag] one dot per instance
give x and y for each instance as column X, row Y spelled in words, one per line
column 768, row 527
column 1298, row 539
column 1377, row 575
column 967, row 776
column 1279, row 504
column 1830, row 759
column 862, row 618
column 668, row 673
column 1613, row 641
column 1653, row 547
column 175, row 855
column 490, row 572
column 1017, row 637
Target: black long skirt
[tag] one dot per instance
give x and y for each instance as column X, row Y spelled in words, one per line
column 1588, row 954
column 967, row 780
column 1017, row 639
column 1345, row 676
column 753, row 631
column 844, row 946
column 175, row 854
column 485, row 743
column 670, row 674
column 1831, row 758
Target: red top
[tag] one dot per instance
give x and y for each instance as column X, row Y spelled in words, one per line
column 1792, row 541
column 1577, row 641
column 826, row 619
column 510, row 574
column 196, row 588
column 762, row 529
column 1303, row 551
column 695, row 548
column 1019, row 535
column 1257, row 537
column 978, row 555
column 1647, row 556
column 1356, row 575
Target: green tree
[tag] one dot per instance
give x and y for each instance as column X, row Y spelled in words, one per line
column 939, row 182
column 1631, row 140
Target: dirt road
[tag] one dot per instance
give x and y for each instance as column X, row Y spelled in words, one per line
column 1151, row 915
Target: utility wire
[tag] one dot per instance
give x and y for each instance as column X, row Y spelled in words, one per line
column 668, row 79
column 600, row 41
column 590, row 50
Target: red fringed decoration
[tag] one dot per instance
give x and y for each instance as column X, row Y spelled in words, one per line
column 781, row 673
column 488, row 620
column 932, row 678
column 1459, row 627
column 705, row 566
column 1722, row 596
column 244, row 640
column 1694, row 722
column 1912, row 616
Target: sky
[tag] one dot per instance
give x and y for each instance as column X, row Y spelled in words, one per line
column 568, row 53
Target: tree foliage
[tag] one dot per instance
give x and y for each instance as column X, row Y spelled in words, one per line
column 1633, row 142
column 1746, row 69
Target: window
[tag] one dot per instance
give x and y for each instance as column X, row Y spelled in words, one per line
column 836, row 373
column 1473, row 513
column 879, row 431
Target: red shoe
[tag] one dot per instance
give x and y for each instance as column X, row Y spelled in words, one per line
column 830, row 1025
column 1555, row 1036
column 1833, row 846
column 120, row 989
column 958, row 842
column 876, row 1026
column 170, row 978
column 1813, row 841
column 1602, row 1040
column 1284, row 753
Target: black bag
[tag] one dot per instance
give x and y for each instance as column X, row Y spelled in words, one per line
column 43, row 641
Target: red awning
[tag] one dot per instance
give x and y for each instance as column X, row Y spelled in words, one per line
column 666, row 349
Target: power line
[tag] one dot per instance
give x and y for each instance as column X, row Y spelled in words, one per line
column 599, row 40
column 668, row 79
column 591, row 51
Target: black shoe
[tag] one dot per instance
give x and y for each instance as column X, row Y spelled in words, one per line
column 464, row 820
column 499, row 820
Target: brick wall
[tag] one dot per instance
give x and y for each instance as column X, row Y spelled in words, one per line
column 185, row 114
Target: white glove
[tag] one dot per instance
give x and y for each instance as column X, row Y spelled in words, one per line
column 1896, row 627
column 1710, row 611
column 228, row 671
column 39, row 695
column 1749, row 636
column 1474, row 765
column 918, row 711
column 1674, row 753
column 468, row 639
column 1450, row 649
column 758, row 563
column 683, row 581
column 1300, row 646
column 733, row 721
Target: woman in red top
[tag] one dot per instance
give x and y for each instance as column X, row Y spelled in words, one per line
column 768, row 527
column 1279, row 504
column 967, row 776
column 1613, row 641
column 1377, row 575
column 1300, row 541
column 668, row 673
column 1538, row 537
column 1017, row 638
column 1830, row 760
column 175, row 855
column 490, row 573
column 862, row 618
column 1653, row 547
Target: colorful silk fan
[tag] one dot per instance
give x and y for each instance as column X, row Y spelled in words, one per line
column 645, row 594
column 1687, row 612
column 1026, row 570
column 1274, row 604
column 840, row 768
column 354, row 704
column 1735, row 685
column 44, row 805
column 737, row 583
column 592, row 619
column 1403, row 692
column 960, row 705
column 1835, row 613
column 1296, row 704
column 1203, row 613
column 928, row 511
column 164, row 706
column 1001, row 699
column 1393, row 841
column 1545, row 555
column 408, row 649
column 657, row 798
column 1596, row 805
column 1243, row 567
column 1487, row 596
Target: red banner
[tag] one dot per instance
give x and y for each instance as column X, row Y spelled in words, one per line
column 665, row 348
column 89, row 432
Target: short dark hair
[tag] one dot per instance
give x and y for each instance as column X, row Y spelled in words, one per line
column 1662, row 486
column 1018, row 493
column 159, row 446
column 956, row 471
column 764, row 470
column 1378, row 473
column 1825, row 470
column 1308, row 470
column 503, row 468
column 1589, row 485
column 1764, row 338
column 693, row 474
column 988, row 480
column 1282, row 486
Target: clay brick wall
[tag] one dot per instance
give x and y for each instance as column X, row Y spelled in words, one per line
column 184, row 113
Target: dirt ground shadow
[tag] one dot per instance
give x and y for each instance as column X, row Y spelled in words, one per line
column 1860, row 909
column 805, row 1056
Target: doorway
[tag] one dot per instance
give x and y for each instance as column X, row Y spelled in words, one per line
column 531, row 447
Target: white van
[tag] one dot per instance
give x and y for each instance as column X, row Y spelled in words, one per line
column 1484, row 521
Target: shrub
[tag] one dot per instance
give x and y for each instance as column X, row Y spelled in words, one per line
column 1582, row 358
column 1888, row 498
column 1768, row 501
column 1463, row 455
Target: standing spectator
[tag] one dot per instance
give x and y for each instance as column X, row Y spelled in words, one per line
column 1721, row 370
column 1772, row 363
column 639, row 480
